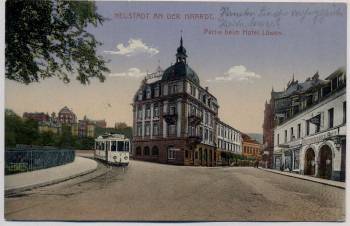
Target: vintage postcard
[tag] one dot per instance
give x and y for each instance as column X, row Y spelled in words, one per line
column 195, row 112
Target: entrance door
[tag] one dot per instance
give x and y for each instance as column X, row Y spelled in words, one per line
column 325, row 167
column 310, row 162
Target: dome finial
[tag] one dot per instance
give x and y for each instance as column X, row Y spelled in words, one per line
column 181, row 39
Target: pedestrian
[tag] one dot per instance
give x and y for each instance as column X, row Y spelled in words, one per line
column 256, row 164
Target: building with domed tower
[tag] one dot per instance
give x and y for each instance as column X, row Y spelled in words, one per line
column 174, row 117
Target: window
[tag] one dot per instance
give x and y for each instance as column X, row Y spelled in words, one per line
column 156, row 112
column 193, row 91
column 147, row 130
column 140, row 95
column 155, row 129
column 172, row 129
column 285, row 136
column 120, row 146
column 148, row 93
column 171, row 153
column 169, row 89
column 307, row 127
column 174, row 88
column 299, row 130
column 139, row 114
column 156, row 91
column 139, row 130
column 114, row 146
column 330, row 117
column 291, row 134
column 148, row 113
column 206, row 134
column 172, row 109
column 278, row 139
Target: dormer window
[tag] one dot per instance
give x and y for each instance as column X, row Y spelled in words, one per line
column 140, row 95
column 148, row 93
column 156, row 91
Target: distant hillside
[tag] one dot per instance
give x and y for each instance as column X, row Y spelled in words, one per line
column 256, row 136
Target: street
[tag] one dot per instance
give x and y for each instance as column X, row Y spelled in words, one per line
column 155, row 192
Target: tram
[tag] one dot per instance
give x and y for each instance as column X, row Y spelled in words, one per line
column 112, row 148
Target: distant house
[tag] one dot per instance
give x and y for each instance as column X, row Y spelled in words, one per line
column 66, row 116
column 120, row 125
column 37, row 116
column 251, row 148
column 54, row 127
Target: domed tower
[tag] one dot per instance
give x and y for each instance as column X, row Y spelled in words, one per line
column 181, row 53
column 180, row 69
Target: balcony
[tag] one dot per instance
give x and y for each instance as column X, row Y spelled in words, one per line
column 194, row 140
column 170, row 117
column 194, row 119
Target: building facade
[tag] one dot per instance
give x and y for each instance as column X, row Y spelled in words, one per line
column 310, row 137
column 268, row 132
column 228, row 140
column 37, row 116
column 174, row 118
column 251, row 148
column 66, row 116
column 54, row 127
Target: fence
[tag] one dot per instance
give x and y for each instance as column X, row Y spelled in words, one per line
column 24, row 159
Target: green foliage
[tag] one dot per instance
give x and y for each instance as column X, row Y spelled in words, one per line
column 66, row 139
column 21, row 131
column 46, row 38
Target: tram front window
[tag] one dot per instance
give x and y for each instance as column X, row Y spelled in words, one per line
column 114, row 146
column 120, row 145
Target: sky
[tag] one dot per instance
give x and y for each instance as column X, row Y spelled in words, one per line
column 240, row 69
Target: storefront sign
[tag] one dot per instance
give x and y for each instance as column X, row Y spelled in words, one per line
column 321, row 137
column 316, row 120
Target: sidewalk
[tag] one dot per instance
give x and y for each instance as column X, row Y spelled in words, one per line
column 24, row 181
column 337, row 184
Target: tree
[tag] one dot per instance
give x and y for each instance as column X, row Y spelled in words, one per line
column 66, row 139
column 47, row 38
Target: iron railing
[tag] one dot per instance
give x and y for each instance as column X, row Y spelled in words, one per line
column 25, row 159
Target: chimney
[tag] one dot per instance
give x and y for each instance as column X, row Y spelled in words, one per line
column 207, row 89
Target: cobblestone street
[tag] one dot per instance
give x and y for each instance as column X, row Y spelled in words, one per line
column 155, row 192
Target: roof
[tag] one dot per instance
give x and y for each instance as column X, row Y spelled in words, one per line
column 294, row 87
column 339, row 71
column 180, row 70
column 65, row 110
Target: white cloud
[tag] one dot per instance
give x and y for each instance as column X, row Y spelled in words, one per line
column 131, row 73
column 237, row 74
column 134, row 47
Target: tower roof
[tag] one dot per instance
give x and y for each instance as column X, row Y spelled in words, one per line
column 180, row 69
